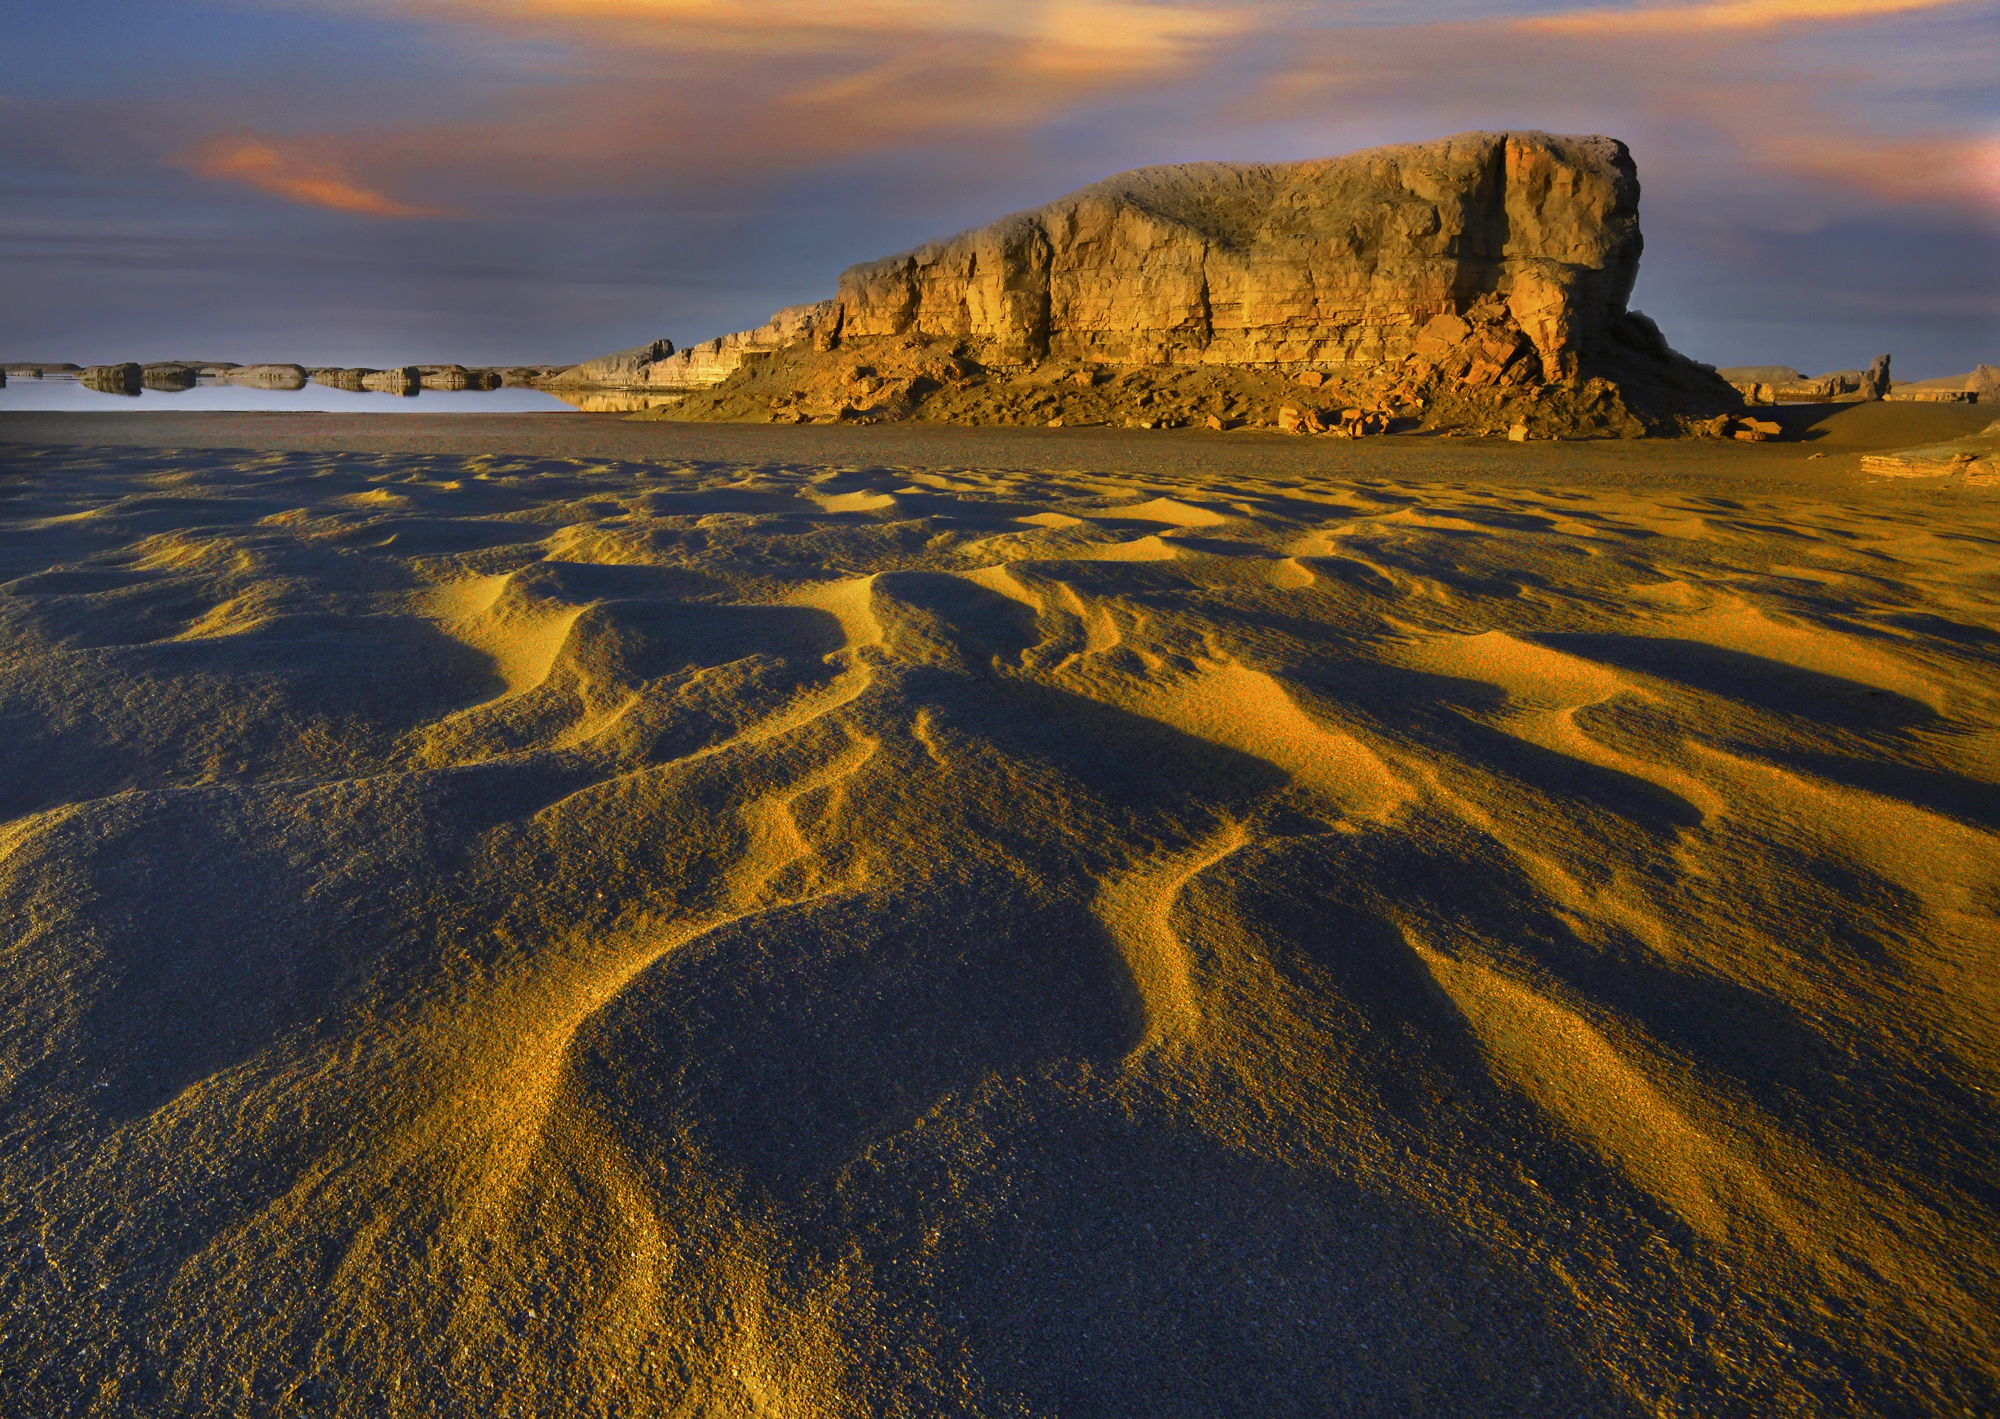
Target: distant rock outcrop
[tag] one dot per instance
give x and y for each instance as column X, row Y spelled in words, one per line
column 404, row 379
column 621, row 369
column 172, row 376
column 127, row 378
column 1875, row 384
column 268, row 376
column 710, row 362
column 1487, row 261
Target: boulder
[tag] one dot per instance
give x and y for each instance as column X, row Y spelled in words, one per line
column 342, row 378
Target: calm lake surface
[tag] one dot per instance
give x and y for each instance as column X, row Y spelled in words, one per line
column 55, row 392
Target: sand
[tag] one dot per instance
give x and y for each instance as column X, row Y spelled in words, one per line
column 554, row 916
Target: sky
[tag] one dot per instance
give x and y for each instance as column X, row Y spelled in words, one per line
column 540, row 181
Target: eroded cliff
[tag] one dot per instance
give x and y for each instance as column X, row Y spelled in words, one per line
column 1335, row 262
column 1485, row 261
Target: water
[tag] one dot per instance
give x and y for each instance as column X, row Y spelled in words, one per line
column 55, row 392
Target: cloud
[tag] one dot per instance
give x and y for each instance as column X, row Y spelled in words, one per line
column 1723, row 15
column 1924, row 168
column 285, row 172
column 725, row 153
column 1114, row 33
column 1753, row 118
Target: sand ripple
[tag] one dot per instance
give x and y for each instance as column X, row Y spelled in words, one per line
column 526, row 936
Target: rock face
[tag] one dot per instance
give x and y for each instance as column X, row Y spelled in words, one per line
column 1875, row 384
column 1335, row 262
column 1421, row 277
column 710, row 362
column 713, row 361
column 620, row 370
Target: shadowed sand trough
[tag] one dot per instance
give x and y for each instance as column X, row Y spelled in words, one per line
column 574, row 936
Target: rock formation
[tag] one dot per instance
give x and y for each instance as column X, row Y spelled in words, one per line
column 1487, row 261
column 457, row 377
column 268, row 376
column 404, row 380
column 113, row 379
column 1975, row 458
column 170, row 376
column 1334, row 262
column 1875, row 384
column 621, row 369
column 660, row 366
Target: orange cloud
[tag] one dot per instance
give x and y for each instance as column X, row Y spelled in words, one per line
column 296, row 178
column 1923, row 169
column 1090, row 34
column 1724, row 15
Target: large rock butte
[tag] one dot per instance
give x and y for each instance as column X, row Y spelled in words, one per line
column 1332, row 263
column 1338, row 261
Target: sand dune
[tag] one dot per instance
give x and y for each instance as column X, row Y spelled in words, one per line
column 520, row 935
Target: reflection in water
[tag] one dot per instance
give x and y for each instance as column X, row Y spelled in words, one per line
column 112, row 379
column 615, row 401
column 169, row 379
column 268, row 376
column 159, row 388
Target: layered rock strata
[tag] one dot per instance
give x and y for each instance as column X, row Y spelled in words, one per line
column 1487, row 261
column 1335, row 262
column 661, row 366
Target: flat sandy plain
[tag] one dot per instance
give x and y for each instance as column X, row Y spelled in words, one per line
column 543, row 915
